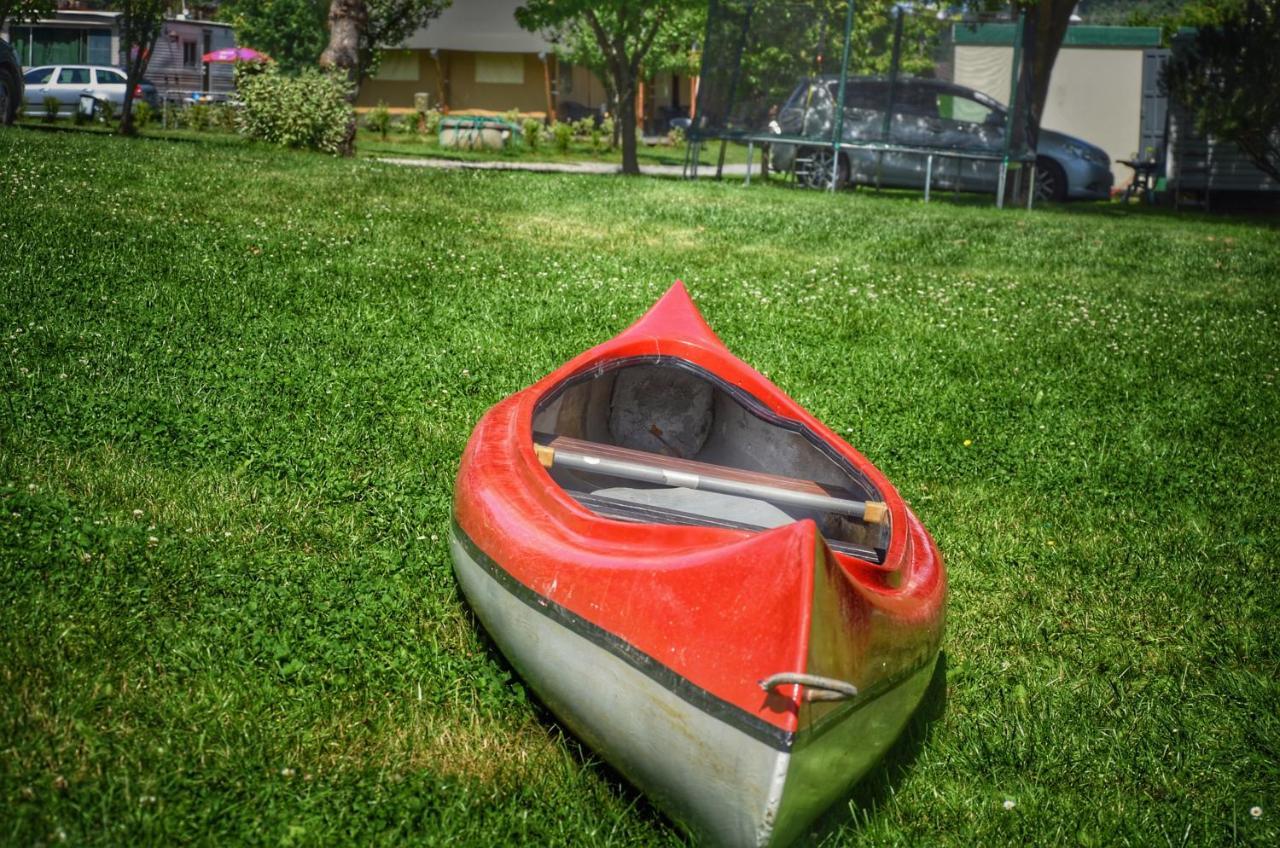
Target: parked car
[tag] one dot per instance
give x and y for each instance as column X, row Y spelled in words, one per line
column 927, row 114
column 10, row 83
column 68, row 82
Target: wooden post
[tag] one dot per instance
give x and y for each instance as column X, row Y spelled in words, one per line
column 640, row 105
column 546, row 82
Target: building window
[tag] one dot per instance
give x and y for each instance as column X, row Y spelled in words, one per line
column 398, row 66
column 49, row 45
column 500, row 68
column 100, row 47
column 189, row 57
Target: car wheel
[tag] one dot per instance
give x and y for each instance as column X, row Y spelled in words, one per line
column 8, row 102
column 1051, row 181
column 813, row 168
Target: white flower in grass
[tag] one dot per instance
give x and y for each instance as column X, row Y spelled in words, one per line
column 137, row 513
column 1256, row 812
column 286, row 772
column 1009, row 803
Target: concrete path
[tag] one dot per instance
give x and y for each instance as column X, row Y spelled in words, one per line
column 559, row 167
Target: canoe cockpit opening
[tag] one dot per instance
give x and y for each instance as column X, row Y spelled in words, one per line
column 663, row 441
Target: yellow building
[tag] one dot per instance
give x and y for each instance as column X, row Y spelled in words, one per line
column 475, row 59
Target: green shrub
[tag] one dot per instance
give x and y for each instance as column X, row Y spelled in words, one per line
column 172, row 116
column 106, row 111
column 308, row 110
column 675, row 136
column 222, row 116
column 532, row 133
column 431, row 121
column 606, row 129
column 408, row 124
column 563, row 134
column 197, row 117
column 583, row 126
column 51, row 109
column 378, row 119
column 142, row 113
column 79, row 118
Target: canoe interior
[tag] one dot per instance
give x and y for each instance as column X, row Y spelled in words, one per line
column 671, row 408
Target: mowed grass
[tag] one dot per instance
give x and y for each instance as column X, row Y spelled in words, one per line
column 236, row 382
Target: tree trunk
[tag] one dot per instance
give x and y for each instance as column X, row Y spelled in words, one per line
column 135, row 69
column 1047, row 24
column 627, row 122
column 347, row 20
column 1043, row 31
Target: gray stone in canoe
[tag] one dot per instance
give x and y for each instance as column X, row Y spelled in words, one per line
column 661, row 410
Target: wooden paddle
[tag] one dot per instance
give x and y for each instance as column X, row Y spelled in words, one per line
column 614, row 461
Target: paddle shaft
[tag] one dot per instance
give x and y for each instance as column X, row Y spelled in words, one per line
column 873, row 512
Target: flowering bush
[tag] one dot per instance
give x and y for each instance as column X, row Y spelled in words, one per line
column 378, row 119
column 562, row 132
column 308, row 110
column 532, row 132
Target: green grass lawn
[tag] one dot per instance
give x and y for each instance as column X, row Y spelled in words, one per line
column 236, row 382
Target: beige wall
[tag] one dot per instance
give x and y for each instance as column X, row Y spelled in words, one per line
column 455, row 81
column 1095, row 93
column 584, row 88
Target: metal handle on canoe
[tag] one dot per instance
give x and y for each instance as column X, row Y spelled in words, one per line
column 816, row 688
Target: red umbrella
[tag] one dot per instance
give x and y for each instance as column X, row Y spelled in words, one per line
column 235, row 54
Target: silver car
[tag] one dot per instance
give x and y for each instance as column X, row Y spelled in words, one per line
column 927, row 115
column 68, row 82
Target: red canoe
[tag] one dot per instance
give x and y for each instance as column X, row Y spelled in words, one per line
column 727, row 602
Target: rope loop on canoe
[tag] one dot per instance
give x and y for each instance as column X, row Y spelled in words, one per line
column 816, row 688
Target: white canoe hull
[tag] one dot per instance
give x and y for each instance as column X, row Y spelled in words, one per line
column 730, row 780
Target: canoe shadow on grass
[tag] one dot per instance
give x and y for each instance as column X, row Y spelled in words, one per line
column 884, row 780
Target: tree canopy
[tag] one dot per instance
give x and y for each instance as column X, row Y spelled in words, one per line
column 624, row 33
column 1226, row 78
column 25, row 10
column 292, row 32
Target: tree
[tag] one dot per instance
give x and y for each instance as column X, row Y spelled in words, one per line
column 1043, row 30
column 358, row 27
column 1226, row 76
column 672, row 52
column 292, row 32
column 24, row 11
column 624, row 32
column 140, row 25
